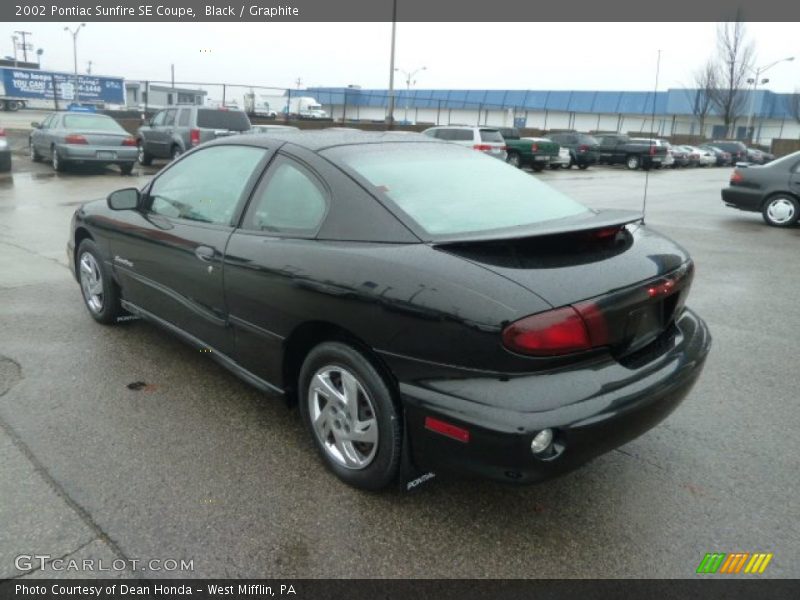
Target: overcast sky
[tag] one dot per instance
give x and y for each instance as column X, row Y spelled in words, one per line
column 581, row 56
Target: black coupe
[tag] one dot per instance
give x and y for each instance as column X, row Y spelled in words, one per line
column 427, row 307
column 772, row 189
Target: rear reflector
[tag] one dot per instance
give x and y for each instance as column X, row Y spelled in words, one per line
column 75, row 139
column 447, row 429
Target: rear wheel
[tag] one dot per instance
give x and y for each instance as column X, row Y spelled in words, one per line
column 513, row 159
column 176, row 152
column 58, row 163
column 781, row 210
column 348, row 407
column 538, row 168
column 142, row 155
column 100, row 293
column 126, row 168
column 583, row 166
column 632, row 162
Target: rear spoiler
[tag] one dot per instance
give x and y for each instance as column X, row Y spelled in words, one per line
column 600, row 219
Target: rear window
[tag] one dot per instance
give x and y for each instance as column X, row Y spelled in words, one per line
column 233, row 120
column 449, row 190
column 93, row 122
column 588, row 140
column 491, row 135
column 455, row 135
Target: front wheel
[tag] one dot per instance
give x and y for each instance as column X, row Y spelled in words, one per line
column 513, row 159
column 781, row 211
column 632, row 162
column 143, row 156
column 348, row 407
column 100, row 292
column 35, row 156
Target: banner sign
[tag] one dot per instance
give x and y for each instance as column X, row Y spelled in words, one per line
column 38, row 85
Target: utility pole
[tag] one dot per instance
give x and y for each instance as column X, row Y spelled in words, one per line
column 409, row 82
column 754, row 82
column 23, row 35
column 14, row 45
column 299, row 82
column 74, row 33
column 172, row 76
column 390, row 115
column 89, row 68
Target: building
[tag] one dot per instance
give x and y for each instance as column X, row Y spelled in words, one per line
column 139, row 94
column 668, row 113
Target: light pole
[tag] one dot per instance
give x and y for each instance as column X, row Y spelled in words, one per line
column 755, row 81
column 409, row 82
column 74, row 34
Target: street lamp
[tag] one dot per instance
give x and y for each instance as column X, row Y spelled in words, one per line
column 74, row 34
column 409, row 82
column 755, row 81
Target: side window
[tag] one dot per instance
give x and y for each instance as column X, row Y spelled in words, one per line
column 48, row 122
column 183, row 117
column 432, row 133
column 169, row 118
column 207, row 185
column 289, row 201
column 463, row 135
column 158, row 120
column 445, row 134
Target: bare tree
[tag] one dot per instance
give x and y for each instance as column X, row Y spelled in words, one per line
column 735, row 59
column 705, row 86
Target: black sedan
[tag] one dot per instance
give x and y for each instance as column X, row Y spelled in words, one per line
column 427, row 307
column 772, row 189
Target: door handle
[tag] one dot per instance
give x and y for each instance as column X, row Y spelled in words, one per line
column 205, row 253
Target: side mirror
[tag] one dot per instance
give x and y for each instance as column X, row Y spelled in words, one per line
column 36, row 125
column 124, row 199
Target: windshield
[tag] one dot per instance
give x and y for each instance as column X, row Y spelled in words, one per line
column 233, row 120
column 93, row 122
column 449, row 190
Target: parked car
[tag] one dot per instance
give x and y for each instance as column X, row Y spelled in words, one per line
column 271, row 128
column 535, row 152
column 692, row 155
column 427, row 308
column 668, row 159
column 680, row 156
column 5, row 152
column 722, row 158
column 737, row 149
column 582, row 147
column 563, row 161
column 619, row 149
column 67, row 138
column 484, row 139
column 705, row 157
column 173, row 131
column 773, row 190
column 754, row 156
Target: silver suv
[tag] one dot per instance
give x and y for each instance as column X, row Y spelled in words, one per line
column 173, row 131
column 485, row 139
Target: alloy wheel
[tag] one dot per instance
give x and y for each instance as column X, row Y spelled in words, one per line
column 91, row 282
column 343, row 417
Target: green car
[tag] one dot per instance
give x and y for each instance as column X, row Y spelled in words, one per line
column 534, row 152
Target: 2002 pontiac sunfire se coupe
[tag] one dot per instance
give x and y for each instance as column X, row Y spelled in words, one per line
column 428, row 308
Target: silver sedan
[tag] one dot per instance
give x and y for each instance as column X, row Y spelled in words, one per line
column 82, row 138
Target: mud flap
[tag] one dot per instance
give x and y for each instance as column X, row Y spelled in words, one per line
column 411, row 477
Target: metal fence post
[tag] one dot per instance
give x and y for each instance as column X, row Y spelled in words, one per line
column 288, row 104
column 438, row 111
column 223, row 94
column 146, row 95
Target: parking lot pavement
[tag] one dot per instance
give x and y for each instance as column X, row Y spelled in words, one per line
column 198, row 466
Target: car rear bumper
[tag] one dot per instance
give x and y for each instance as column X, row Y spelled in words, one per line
column 97, row 154
column 585, row 158
column 742, row 198
column 591, row 411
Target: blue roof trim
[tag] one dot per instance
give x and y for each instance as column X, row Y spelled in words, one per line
column 674, row 101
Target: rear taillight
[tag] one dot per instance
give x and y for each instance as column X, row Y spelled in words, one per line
column 535, row 148
column 583, row 148
column 551, row 333
column 736, row 177
column 129, row 141
column 652, row 150
column 194, row 137
column 482, row 147
column 75, row 139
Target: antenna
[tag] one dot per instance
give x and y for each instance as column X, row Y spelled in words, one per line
column 652, row 125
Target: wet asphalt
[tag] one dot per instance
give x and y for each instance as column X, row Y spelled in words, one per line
column 196, row 465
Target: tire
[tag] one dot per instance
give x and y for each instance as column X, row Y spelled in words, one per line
column 366, row 465
column 555, row 167
column 59, row 165
column 583, row 167
column 126, row 168
column 143, row 156
column 175, row 152
column 633, row 162
column 35, row 156
column 537, row 167
column 5, row 162
column 100, row 292
column 513, row 159
column 781, row 210
column 570, row 163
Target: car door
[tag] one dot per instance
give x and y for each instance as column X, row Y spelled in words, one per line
column 794, row 180
column 154, row 137
column 267, row 262
column 168, row 257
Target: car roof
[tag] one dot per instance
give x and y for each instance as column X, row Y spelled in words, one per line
column 317, row 140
